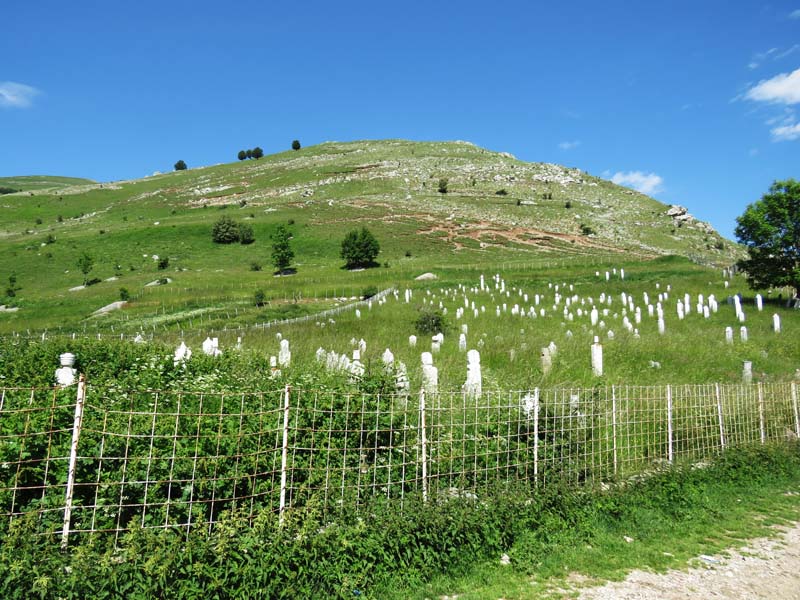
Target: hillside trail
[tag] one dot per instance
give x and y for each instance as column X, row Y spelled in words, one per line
column 763, row 568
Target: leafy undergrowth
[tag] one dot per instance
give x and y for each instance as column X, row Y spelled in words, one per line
column 656, row 524
column 428, row 550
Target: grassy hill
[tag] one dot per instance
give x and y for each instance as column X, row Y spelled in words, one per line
column 27, row 183
column 497, row 211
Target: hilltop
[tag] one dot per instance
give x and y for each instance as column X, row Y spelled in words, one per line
column 496, row 209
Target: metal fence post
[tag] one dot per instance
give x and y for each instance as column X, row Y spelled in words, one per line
column 669, row 424
column 796, row 412
column 614, row 425
column 761, row 423
column 423, row 445
column 284, row 454
column 536, row 436
column 719, row 414
column 73, row 458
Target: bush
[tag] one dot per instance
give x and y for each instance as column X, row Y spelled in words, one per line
column 124, row 294
column 369, row 292
column 567, row 204
column 430, row 322
column 501, row 193
column 254, row 266
column 246, row 235
column 360, row 248
column 259, row 298
column 163, row 263
column 443, row 186
column 225, row 231
column 587, row 230
column 8, row 190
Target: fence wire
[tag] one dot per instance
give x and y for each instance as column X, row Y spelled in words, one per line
column 163, row 459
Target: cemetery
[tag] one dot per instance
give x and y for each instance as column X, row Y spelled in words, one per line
column 471, row 376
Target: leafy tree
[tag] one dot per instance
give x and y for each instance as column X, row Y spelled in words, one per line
column 85, row 264
column 430, row 321
column 180, row 166
column 296, row 145
column 257, row 153
column 259, row 298
column 124, row 294
column 225, row 231
column 770, row 228
column 242, row 155
column 249, row 153
column 246, row 234
column 360, row 248
column 443, row 186
column 282, row 253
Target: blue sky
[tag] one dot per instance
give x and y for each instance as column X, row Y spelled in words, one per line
column 695, row 103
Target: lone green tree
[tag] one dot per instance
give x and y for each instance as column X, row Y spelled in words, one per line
column 257, row 153
column 770, row 229
column 85, row 264
column 180, row 166
column 296, row 145
column 282, row 253
column 360, row 248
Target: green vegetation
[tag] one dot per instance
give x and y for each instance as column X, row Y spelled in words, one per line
column 360, row 249
column 296, row 145
column 770, row 228
column 41, row 182
column 442, row 187
column 180, row 166
column 282, row 254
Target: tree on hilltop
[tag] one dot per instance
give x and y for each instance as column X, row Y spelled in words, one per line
column 360, row 249
column 296, row 145
column 257, row 153
column 180, row 166
column 242, row 155
column 770, row 228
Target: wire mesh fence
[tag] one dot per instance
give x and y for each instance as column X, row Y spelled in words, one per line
column 88, row 461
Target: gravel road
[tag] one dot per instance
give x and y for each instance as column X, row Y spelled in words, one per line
column 764, row 568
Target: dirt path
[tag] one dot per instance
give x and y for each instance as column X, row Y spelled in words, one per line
column 764, row 568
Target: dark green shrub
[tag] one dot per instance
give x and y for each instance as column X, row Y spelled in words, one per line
column 259, row 298
column 296, row 145
column 163, row 263
column 369, row 292
column 254, row 266
column 225, row 231
column 180, row 166
column 124, row 294
column 430, row 322
column 246, row 235
column 443, row 186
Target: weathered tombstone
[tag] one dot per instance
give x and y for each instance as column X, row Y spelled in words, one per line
column 182, row 354
column 65, row 374
column 729, row 335
column 547, row 361
column 776, row 323
column 743, row 333
column 661, row 327
column 412, row 340
column 284, row 355
column 388, row 358
column 356, row 367
column 358, row 314
column 430, row 374
column 759, row 302
column 462, row 343
column 747, row 372
column 597, row 358
column 472, row 387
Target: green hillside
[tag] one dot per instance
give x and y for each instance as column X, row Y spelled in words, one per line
column 496, row 211
column 27, row 183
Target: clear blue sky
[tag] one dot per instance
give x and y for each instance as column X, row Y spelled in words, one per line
column 695, row 103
